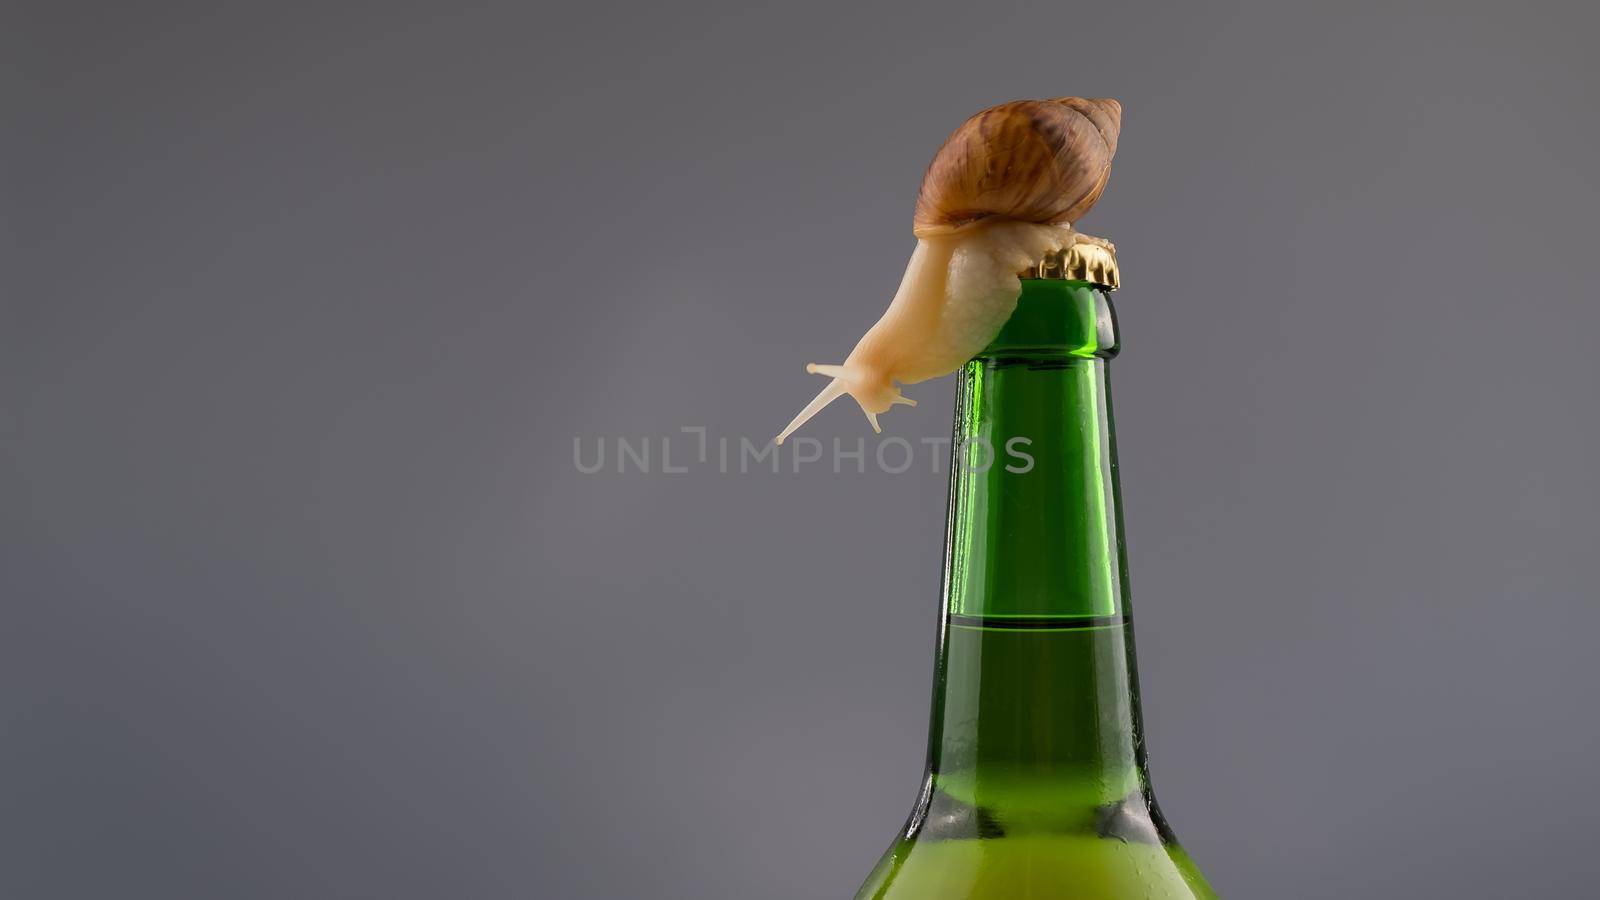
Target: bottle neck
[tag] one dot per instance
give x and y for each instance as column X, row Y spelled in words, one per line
column 1035, row 691
column 1035, row 514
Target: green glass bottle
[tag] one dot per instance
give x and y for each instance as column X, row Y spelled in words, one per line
column 1036, row 784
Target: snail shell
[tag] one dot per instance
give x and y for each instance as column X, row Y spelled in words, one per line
column 1041, row 161
column 1001, row 193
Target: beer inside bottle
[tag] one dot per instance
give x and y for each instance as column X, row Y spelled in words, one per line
column 1036, row 783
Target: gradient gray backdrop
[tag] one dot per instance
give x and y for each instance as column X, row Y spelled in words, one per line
column 304, row 596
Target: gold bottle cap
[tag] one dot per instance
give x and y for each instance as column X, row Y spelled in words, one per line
column 1079, row 262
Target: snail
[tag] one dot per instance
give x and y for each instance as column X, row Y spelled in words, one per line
column 1002, row 192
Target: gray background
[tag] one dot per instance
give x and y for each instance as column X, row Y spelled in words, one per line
column 305, row 597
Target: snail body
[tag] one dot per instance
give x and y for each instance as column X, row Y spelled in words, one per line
column 1002, row 192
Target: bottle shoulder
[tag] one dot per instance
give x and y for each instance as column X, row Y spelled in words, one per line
column 1069, row 867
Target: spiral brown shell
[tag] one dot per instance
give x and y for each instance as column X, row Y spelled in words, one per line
column 1044, row 161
